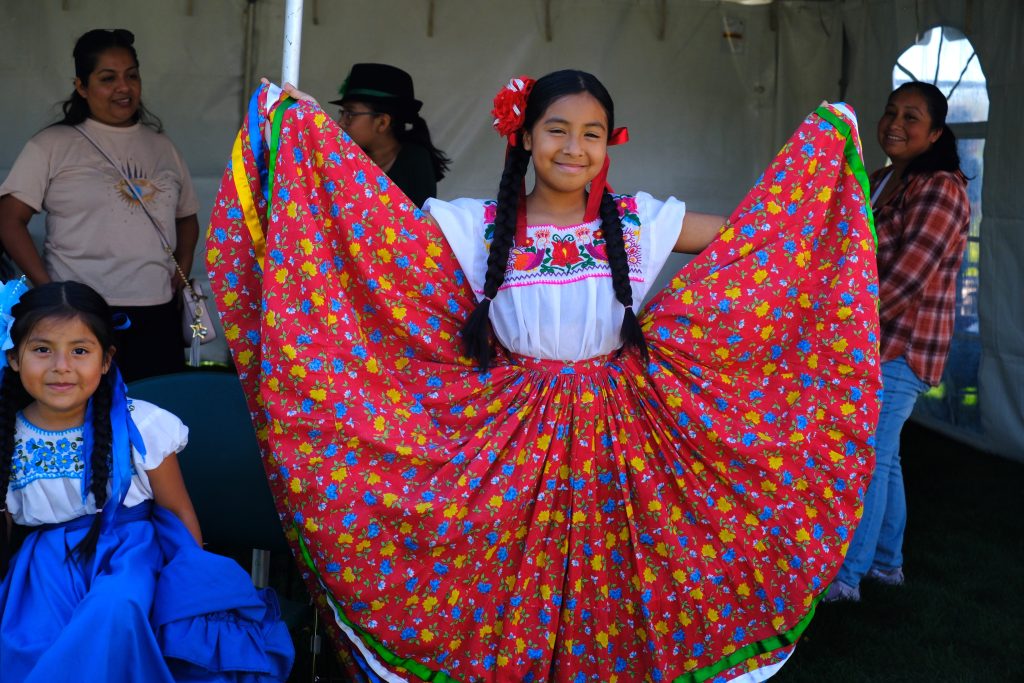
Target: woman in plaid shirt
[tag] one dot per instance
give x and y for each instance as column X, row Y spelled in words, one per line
column 921, row 214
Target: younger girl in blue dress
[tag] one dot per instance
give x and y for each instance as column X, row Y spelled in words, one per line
column 111, row 584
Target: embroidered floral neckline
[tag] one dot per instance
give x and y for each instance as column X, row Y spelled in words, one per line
column 563, row 228
column 554, row 254
column 34, row 427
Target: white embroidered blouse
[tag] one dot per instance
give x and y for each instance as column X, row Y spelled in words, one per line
column 46, row 481
column 557, row 300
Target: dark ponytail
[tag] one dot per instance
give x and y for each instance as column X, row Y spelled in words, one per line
column 408, row 128
column 99, row 463
column 88, row 48
column 386, row 89
column 13, row 398
column 477, row 333
column 943, row 154
column 419, row 134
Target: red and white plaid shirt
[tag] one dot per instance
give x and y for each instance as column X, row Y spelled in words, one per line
column 922, row 233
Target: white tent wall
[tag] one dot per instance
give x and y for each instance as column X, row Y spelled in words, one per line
column 700, row 132
column 705, row 112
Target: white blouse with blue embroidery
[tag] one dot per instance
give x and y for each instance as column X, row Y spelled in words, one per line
column 557, row 300
column 46, row 481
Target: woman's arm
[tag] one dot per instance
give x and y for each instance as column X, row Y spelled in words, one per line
column 187, row 229
column 697, row 232
column 14, row 217
column 169, row 491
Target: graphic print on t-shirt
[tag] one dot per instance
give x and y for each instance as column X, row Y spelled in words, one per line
column 144, row 187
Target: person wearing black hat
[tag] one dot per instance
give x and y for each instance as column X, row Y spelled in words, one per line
column 381, row 115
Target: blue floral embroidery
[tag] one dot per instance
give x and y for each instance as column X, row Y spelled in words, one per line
column 40, row 454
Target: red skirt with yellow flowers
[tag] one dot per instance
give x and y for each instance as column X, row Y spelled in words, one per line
column 603, row 520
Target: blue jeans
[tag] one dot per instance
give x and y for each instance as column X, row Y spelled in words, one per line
column 878, row 541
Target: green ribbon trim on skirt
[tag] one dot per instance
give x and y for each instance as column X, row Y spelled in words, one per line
column 759, row 648
column 854, row 160
column 275, row 143
column 389, row 657
column 426, row 674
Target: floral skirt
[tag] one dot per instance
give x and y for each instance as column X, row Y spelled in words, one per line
column 603, row 520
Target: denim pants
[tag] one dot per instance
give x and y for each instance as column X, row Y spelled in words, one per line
column 878, row 541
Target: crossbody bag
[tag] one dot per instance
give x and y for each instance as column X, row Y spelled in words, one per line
column 196, row 322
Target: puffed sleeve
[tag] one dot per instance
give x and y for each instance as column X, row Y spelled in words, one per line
column 462, row 222
column 661, row 221
column 162, row 433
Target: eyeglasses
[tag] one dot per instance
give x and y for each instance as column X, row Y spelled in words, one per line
column 345, row 116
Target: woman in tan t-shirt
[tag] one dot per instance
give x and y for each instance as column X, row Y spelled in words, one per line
column 96, row 230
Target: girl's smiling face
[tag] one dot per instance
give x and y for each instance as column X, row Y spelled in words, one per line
column 61, row 363
column 568, row 143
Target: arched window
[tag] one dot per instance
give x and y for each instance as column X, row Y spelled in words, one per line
column 945, row 57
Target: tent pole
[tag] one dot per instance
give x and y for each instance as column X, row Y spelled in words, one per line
column 292, row 42
column 249, row 59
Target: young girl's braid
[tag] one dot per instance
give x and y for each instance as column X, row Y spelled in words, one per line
column 13, row 398
column 615, row 244
column 477, row 333
column 99, row 463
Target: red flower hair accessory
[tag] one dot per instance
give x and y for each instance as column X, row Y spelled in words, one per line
column 510, row 107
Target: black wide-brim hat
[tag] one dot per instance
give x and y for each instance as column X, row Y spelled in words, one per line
column 382, row 83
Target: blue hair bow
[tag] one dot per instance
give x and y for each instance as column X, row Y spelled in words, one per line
column 10, row 294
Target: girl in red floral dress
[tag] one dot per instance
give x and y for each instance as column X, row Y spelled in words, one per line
column 591, row 492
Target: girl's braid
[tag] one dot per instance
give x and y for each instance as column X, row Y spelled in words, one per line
column 615, row 244
column 477, row 333
column 13, row 398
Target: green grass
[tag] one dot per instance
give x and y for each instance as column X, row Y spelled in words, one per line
column 960, row 616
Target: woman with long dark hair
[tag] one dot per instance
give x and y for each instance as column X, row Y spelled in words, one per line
column 922, row 215
column 90, row 172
